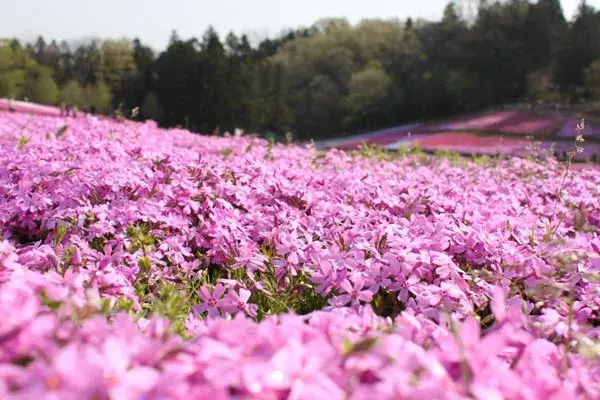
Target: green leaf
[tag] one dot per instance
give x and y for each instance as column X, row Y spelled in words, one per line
column 23, row 140
column 145, row 264
column 361, row 346
column 54, row 305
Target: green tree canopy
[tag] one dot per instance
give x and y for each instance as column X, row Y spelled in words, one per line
column 43, row 89
column 72, row 94
column 367, row 91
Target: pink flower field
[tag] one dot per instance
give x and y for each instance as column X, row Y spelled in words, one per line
column 30, row 108
column 468, row 143
column 481, row 122
column 141, row 263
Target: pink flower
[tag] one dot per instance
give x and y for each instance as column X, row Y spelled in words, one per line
column 304, row 373
column 378, row 276
column 405, row 286
column 338, row 301
column 211, row 302
column 238, row 301
column 498, row 303
column 355, row 293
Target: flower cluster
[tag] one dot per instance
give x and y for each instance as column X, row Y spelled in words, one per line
column 137, row 262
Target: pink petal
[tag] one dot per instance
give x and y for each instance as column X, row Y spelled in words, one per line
column 244, row 295
column 218, row 292
column 213, row 312
column 347, row 286
column 251, row 310
column 204, row 293
column 365, row 295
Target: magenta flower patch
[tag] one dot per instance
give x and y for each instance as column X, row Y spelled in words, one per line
column 141, row 263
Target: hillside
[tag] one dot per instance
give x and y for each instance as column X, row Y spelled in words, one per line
column 137, row 262
column 510, row 132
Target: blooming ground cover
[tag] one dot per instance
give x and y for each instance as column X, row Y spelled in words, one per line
column 568, row 129
column 467, row 143
column 26, row 107
column 381, row 137
column 480, row 122
column 140, row 263
column 512, row 132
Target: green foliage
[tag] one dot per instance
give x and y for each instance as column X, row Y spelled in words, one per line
column 591, row 78
column 226, row 152
column 151, row 108
column 47, row 301
column 297, row 293
column 386, row 304
column 141, row 238
column 171, row 304
column 270, row 146
column 367, row 89
column 331, row 78
column 98, row 95
column 145, row 264
column 59, row 233
column 578, row 48
column 413, row 149
column 362, row 346
column 318, row 157
column 15, row 65
column 118, row 67
column 369, row 151
column 67, row 256
column 453, row 157
column 23, row 140
column 44, row 89
column 289, row 137
column 61, row 131
column 11, row 83
column 484, row 160
column 72, row 94
column 461, row 88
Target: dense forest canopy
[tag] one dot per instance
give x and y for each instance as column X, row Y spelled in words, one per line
column 328, row 79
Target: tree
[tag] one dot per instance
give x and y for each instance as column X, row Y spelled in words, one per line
column 580, row 47
column 367, row 91
column 87, row 63
column 15, row 65
column 39, row 49
column 591, row 78
column 329, row 78
column 98, row 96
column 65, row 71
column 44, row 90
column 552, row 18
column 212, row 104
column 241, row 71
column 72, row 94
column 503, row 51
column 179, row 81
column 119, row 69
column 151, row 108
column 328, row 25
column 11, row 83
column 145, row 79
column 461, row 89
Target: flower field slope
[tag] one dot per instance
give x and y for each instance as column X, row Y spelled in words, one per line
column 29, row 108
column 141, row 263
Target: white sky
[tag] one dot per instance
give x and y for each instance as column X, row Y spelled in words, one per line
column 153, row 20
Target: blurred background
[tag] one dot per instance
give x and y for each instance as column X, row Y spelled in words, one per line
column 458, row 75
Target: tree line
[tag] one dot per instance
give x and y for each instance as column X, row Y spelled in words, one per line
column 329, row 79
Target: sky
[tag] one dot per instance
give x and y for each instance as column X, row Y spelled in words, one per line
column 153, row 20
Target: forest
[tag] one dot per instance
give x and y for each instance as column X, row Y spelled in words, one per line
column 330, row 79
